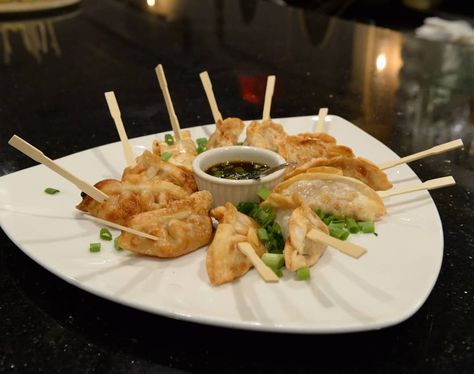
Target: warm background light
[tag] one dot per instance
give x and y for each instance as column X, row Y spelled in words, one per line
column 381, row 62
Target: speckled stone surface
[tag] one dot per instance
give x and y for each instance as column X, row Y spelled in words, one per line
column 424, row 96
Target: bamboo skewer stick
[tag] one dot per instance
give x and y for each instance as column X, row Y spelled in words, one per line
column 120, row 227
column 34, row 153
column 268, row 97
column 347, row 248
column 265, row 272
column 429, row 152
column 428, row 185
column 206, row 82
column 320, row 126
column 117, row 117
column 169, row 104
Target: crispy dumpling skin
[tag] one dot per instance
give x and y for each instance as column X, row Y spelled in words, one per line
column 182, row 153
column 227, row 133
column 224, row 260
column 150, row 166
column 182, row 227
column 127, row 199
column 266, row 134
column 342, row 196
column 354, row 167
column 303, row 147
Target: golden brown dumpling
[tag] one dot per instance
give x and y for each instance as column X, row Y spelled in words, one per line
column 354, row 167
column 225, row 262
column 227, row 133
column 127, row 199
column 266, row 134
column 150, row 166
column 183, row 226
column 342, row 196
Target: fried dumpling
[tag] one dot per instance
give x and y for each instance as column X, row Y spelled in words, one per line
column 150, row 166
column 342, row 196
column 266, row 134
column 127, row 199
column 225, row 262
column 182, row 227
column 354, row 167
column 182, row 153
column 304, row 147
column 227, row 133
column 296, row 219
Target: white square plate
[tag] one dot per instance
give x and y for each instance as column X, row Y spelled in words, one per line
column 384, row 287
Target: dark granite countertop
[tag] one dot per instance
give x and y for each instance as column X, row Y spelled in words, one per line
column 54, row 70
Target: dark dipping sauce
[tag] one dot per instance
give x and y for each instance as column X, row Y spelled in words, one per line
column 237, row 170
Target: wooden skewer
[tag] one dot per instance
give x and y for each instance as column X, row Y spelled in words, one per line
column 429, row 152
column 268, row 97
column 34, row 153
column 323, row 112
column 428, row 185
column 169, row 104
column 347, row 248
column 117, row 117
column 206, row 82
column 120, row 227
column 265, row 272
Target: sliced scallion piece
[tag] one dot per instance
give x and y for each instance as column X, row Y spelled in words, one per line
column 303, row 274
column 263, row 192
column 367, row 227
column 262, row 234
column 105, row 234
column 352, row 226
column 51, row 191
column 338, row 233
column 169, row 139
column 273, row 260
column 165, row 156
column 94, row 247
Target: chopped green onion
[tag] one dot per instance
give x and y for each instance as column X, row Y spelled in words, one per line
column 262, row 234
column 105, row 234
column 352, row 226
column 94, row 247
column 303, row 274
column 247, row 208
column 201, row 142
column 200, row 149
column 239, row 143
column 338, row 233
column 337, row 224
column 263, row 192
column 165, row 156
column 116, row 245
column 51, row 191
column 273, row 260
column 169, row 139
column 367, row 227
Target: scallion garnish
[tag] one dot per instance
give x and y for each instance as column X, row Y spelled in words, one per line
column 94, row 247
column 51, row 191
column 165, row 156
column 169, row 139
column 303, row 274
column 105, row 234
column 263, row 192
column 201, row 145
column 352, row 226
column 262, row 234
column 367, row 227
column 274, row 261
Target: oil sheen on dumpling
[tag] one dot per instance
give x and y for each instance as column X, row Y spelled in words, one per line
column 182, row 227
column 342, row 196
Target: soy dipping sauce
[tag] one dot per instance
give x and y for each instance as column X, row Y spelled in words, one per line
column 237, row 170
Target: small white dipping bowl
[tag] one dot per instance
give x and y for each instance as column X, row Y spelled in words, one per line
column 235, row 191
